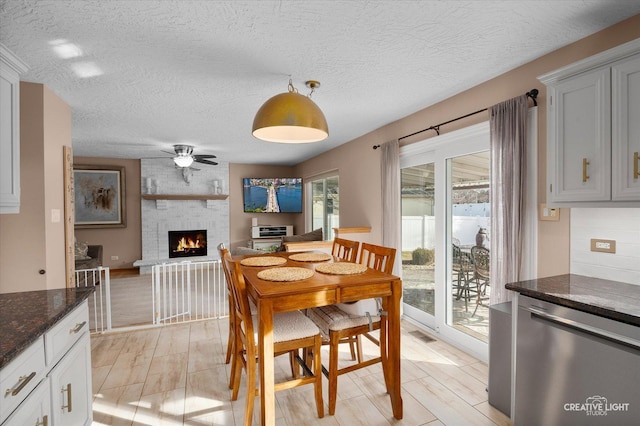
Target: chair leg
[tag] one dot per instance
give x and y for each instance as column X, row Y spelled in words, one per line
column 359, row 347
column 231, row 338
column 295, row 371
column 251, row 388
column 317, row 371
column 236, row 368
column 333, row 371
column 352, row 349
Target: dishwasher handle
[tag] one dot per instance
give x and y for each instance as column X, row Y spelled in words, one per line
column 608, row 335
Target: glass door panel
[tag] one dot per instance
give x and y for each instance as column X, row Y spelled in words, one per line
column 418, row 238
column 469, row 219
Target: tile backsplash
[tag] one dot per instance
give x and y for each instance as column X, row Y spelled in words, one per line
column 619, row 224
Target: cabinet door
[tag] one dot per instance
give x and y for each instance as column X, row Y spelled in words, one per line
column 71, row 394
column 579, row 153
column 626, row 130
column 35, row 410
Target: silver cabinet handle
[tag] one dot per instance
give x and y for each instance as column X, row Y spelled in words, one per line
column 22, row 382
column 78, row 327
column 68, row 391
column 608, row 335
column 636, row 160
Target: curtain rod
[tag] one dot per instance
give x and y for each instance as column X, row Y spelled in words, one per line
column 533, row 94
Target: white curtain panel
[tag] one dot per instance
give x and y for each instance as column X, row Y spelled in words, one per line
column 391, row 220
column 507, row 122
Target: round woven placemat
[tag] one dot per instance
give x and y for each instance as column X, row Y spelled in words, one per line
column 310, row 257
column 285, row 274
column 263, row 261
column 341, row 268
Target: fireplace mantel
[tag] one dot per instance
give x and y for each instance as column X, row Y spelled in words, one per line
column 162, row 199
column 185, row 196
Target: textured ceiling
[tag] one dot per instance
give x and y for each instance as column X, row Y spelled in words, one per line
column 141, row 75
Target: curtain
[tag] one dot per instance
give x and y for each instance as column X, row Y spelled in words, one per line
column 507, row 122
column 391, row 220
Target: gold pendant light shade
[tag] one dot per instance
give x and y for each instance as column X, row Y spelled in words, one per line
column 290, row 118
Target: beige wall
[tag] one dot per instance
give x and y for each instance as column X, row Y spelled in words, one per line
column 126, row 243
column 358, row 163
column 239, row 221
column 30, row 241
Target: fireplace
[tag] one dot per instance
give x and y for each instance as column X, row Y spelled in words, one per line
column 188, row 243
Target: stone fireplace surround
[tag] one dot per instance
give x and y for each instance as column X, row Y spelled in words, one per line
column 161, row 216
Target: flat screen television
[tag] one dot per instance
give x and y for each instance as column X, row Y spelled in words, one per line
column 272, row 195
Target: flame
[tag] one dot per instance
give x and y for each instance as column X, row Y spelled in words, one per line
column 189, row 243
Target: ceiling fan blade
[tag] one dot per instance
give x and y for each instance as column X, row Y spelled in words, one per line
column 203, row 161
column 168, row 152
column 204, row 156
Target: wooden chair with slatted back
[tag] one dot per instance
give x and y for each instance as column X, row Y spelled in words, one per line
column 347, row 322
column 222, row 250
column 345, row 249
column 292, row 331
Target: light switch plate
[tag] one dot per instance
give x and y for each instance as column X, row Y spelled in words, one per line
column 548, row 213
column 604, row 246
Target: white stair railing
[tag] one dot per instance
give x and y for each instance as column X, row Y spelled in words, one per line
column 188, row 291
column 100, row 299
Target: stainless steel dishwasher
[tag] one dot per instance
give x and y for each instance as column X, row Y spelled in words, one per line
column 575, row 368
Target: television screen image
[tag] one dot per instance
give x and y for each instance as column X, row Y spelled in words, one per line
column 272, row 195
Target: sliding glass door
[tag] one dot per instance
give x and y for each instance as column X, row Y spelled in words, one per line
column 445, row 183
column 418, row 241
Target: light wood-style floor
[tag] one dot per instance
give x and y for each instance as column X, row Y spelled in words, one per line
column 176, row 375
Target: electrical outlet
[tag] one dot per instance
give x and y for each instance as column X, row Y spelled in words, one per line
column 604, row 246
column 548, row 213
column 114, row 257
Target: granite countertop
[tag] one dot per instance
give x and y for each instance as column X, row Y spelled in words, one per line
column 25, row 316
column 605, row 298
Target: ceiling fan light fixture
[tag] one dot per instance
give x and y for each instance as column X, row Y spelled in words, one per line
column 183, row 160
column 291, row 118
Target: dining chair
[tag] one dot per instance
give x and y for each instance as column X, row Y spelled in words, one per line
column 292, row 331
column 345, row 249
column 343, row 323
column 462, row 266
column 222, row 250
column 482, row 273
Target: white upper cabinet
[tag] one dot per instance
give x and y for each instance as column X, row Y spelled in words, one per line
column 10, row 69
column 625, row 78
column 593, row 130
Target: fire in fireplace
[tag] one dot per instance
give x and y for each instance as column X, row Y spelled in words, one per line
column 188, row 243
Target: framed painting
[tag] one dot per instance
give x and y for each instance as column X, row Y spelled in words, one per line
column 99, row 197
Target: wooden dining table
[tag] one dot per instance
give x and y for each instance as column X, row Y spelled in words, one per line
column 271, row 297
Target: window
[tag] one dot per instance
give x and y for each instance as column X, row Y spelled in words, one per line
column 325, row 205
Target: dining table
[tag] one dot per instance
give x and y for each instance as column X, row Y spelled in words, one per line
column 322, row 289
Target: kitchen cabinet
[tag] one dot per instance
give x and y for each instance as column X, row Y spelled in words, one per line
column 36, row 408
column 50, row 381
column 593, row 130
column 10, row 69
column 71, row 386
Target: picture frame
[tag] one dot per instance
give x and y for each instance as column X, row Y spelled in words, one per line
column 99, row 196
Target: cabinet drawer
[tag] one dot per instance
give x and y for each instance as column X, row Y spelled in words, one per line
column 20, row 377
column 35, row 410
column 64, row 334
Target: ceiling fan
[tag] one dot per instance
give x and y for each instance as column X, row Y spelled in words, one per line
column 184, row 156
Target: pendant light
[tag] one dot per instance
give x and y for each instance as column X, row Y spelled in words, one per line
column 291, row 118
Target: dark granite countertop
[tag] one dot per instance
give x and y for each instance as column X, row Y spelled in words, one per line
column 25, row 316
column 605, row 298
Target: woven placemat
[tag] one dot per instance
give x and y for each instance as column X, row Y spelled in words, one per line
column 290, row 273
column 310, row 257
column 341, row 268
column 263, row 261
